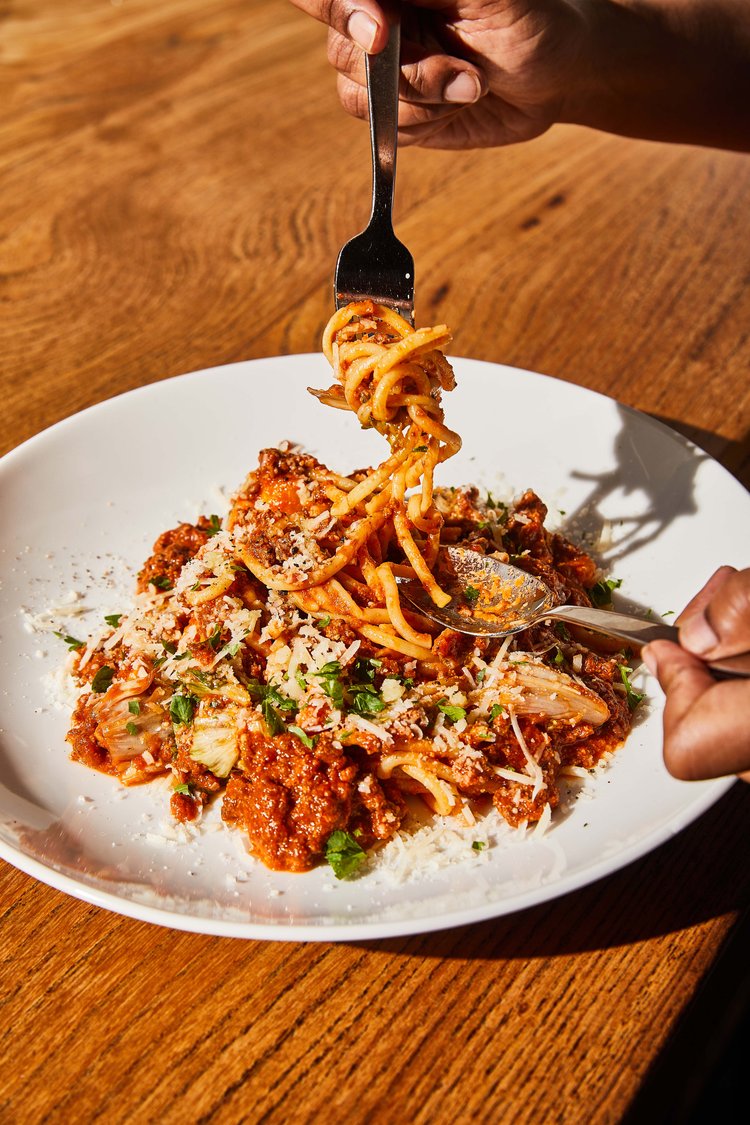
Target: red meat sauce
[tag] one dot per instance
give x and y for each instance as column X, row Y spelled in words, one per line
column 171, row 551
column 289, row 799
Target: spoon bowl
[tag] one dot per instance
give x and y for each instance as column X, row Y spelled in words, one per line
column 490, row 598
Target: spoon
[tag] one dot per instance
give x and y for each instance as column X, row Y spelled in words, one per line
column 490, row 598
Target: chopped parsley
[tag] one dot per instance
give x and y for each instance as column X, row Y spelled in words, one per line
column 558, row 658
column 420, row 449
column 497, row 709
column 215, row 639
column 478, row 845
column 102, row 679
column 471, row 595
column 214, row 525
column 134, row 707
column 303, row 736
column 344, row 854
column 182, row 709
column 366, row 667
column 491, row 502
column 71, row 642
column 330, row 680
column 113, row 619
column 633, row 697
column 451, row 711
column 271, row 703
column 161, row 582
column 300, row 679
column 184, row 788
column 601, row 592
column 365, row 700
column 131, row 728
column 323, row 621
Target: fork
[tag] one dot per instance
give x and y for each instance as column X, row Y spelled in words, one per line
column 375, row 264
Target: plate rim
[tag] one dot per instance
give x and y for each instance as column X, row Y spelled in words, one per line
column 710, row 791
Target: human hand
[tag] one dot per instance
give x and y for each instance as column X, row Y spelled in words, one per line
column 479, row 73
column 706, row 721
column 475, row 73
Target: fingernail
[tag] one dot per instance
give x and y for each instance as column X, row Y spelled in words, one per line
column 697, row 636
column 362, row 29
column 649, row 659
column 462, row 87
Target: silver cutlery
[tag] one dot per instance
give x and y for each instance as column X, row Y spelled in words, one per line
column 491, row 598
column 375, row 264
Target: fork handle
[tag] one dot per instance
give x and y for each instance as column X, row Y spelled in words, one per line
column 383, row 71
column 636, row 631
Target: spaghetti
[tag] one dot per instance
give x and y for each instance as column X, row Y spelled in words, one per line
column 271, row 657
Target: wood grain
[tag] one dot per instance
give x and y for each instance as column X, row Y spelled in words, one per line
column 176, row 180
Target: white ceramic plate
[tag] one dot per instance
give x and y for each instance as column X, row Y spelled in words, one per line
column 82, row 505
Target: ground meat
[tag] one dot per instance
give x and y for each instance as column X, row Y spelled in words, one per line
column 86, row 749
column 525, row 529
column 573, row 563
column 514, row 802
column 171, row 551
column 594, row 744
column 378, row 812
column 289, row 799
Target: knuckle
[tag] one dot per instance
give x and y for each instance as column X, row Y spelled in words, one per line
column 335, row 13
column 729, row 610
column 353, row 98
column 342, row 52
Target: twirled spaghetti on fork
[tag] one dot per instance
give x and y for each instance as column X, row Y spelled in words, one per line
column 271, row 657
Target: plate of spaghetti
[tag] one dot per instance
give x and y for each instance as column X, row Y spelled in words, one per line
column 225, row 718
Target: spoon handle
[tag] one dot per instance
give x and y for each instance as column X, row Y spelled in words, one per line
column 638, row 632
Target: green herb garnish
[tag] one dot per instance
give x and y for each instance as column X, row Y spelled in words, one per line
column 134, row 707
column 131, row 728
column 471, row 595
column 215, row 639
column 214, row 525
column 497, row 709
column 271, row 702
column 323, row 621
column 71, row 642
column 451, row 711
column 633, row 697
column 102, row 679
column 303, row 736
column 601, row 592
column 113, row 619
column 365, row 700
column 344, row 854
column 184, row 788
column 330, row 680
column 478, row 845
column 161, row 582
column 182, row 709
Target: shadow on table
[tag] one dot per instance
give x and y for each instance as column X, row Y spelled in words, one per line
column 700, row 874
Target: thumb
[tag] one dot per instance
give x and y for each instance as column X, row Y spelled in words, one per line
column 721, row 625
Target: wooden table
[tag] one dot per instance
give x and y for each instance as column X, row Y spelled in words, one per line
column 176, row 180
